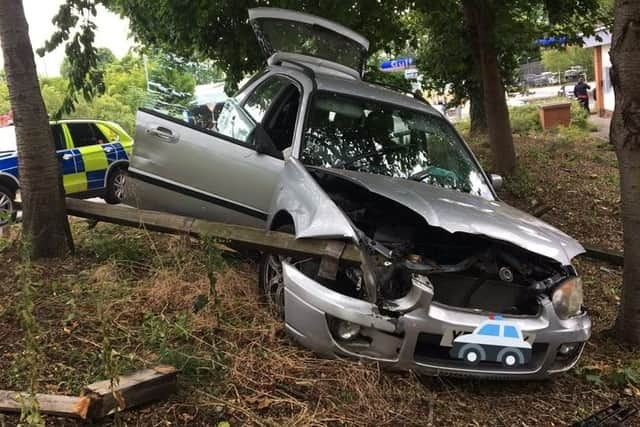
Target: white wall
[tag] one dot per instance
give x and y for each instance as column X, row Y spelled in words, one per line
column 609, row 99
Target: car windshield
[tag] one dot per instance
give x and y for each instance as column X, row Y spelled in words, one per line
column 367, row 136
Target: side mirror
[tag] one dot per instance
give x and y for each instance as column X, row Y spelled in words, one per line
column 496, row 181
column 264, row 143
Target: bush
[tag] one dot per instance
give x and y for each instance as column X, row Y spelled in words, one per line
column 525, row 119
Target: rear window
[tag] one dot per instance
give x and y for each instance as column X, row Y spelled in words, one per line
column 307, row 39
column 58, row 137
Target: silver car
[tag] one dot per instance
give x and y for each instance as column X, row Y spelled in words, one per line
column 310, row 148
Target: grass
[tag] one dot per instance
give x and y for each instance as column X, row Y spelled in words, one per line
column 131, row 299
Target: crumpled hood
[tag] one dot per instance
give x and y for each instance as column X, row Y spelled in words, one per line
column 460, row 212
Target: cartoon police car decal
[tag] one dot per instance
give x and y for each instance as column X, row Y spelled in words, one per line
column 495, row 340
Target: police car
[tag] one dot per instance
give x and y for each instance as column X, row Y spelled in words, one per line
column 495, row 340
column 93, row 155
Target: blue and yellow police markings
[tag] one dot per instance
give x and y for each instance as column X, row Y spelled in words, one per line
column 87, row 168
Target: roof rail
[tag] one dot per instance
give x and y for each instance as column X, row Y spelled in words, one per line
column 397, row 89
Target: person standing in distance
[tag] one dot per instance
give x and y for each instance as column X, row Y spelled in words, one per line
column 580, row 91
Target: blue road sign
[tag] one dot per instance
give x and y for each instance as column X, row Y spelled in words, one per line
column 398, row 64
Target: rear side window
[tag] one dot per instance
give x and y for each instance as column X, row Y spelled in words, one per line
column 58, row 137
column 262, row 98
column 510, row 332
column 85, row 134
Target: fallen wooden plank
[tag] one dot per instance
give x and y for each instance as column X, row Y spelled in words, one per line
column 66, row 406
column 612, row 257
column 133, row 390
column 238, row 235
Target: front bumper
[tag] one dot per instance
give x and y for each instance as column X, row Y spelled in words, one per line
column 420, row 337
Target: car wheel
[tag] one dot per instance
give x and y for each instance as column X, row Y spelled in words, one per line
column 510, row 359
column 271, row 279
column 7, row 206
column 471, row 356
column 114, row 193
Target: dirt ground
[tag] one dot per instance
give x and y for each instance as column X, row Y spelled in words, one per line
column 131, row 299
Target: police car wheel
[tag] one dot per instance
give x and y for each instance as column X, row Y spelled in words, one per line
column 114, row 192
column 471, row 356
column 7, row 207
column 510, row 359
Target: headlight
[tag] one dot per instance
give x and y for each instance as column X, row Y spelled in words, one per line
column 567, row 298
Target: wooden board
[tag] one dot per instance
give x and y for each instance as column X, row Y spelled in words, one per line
column 139, row 388
column 238, row 235
column 66, row 406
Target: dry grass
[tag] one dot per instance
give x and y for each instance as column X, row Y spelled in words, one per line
column 239, row 366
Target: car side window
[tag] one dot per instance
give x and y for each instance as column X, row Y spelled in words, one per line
column 510, row 332
column 263, row 97
column 58, row 137
column 85, row 134
column 490, row 330
column 235, row 123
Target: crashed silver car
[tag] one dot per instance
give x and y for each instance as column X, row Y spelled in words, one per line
column 310, row 148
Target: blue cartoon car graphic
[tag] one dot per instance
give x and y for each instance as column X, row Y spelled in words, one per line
column 495, row 340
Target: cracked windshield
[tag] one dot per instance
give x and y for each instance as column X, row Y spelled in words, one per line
column 364, row 136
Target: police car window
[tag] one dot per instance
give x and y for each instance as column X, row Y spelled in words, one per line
column 58, row 137
column 510, row 332
column 491, row 330
column 85, row 134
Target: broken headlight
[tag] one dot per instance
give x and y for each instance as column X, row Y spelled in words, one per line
column 567, row 298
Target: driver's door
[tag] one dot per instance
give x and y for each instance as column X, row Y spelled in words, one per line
column 214, row 174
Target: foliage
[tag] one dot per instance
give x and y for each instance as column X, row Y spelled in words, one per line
column 76, row 29
column 559, row 60
column 389, row 79
column 446, row 56
column 525, row 119
column 4, row 94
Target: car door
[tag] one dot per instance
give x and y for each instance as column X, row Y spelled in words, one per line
column 90, row 153
column 72, row 181
column 213, row 173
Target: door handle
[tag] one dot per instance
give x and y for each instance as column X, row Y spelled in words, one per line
column 163, row 133
column 67, row 156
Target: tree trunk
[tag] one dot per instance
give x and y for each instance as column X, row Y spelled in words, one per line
column 479, row 22
column 476, row 110
column 625, row 135
column 43, row 216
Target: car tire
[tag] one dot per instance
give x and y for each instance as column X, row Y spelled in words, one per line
column 271, row 280
column 7, row 205
column 510, row 359
column 471, row 356
column 114, row 193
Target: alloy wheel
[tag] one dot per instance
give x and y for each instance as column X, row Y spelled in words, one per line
column 6, row 208
column 119, row 182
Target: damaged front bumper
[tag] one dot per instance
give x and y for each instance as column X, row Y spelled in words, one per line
column 420, row 336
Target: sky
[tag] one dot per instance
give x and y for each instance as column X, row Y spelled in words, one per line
column 112, row 32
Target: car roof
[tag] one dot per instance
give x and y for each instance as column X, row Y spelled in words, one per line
column 57, row 122
column 362, row 89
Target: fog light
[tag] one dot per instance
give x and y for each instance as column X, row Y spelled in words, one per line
column 567, row 349
column 347, row 331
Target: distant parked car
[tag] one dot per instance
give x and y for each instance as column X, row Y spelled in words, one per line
column 574, row 73
column 93, row 154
